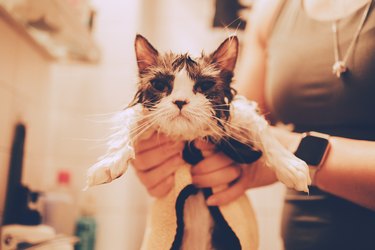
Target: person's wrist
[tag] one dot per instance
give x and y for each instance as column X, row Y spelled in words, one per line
column 313, row 148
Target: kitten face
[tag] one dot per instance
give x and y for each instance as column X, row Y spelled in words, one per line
column 184, row 97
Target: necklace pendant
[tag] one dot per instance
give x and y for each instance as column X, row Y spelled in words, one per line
column 338, row 68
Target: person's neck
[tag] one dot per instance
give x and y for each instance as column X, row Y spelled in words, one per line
column 329, row 10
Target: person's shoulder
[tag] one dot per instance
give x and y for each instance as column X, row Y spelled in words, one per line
column 263, row 16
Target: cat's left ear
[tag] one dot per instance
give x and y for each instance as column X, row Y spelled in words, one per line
column 226, row 55
column 146, row 54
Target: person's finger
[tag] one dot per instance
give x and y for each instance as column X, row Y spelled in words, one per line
column 223, row 176
column 203, row 145
column 228, row 195
column 153, row 177
column 163, row 188
column 212, row 163
column 156, row 140
column 154, row 157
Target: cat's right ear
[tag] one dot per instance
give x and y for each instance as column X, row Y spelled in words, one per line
column 146, row 54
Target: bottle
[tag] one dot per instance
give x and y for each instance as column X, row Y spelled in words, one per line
column 86, row 225
column 59, row 205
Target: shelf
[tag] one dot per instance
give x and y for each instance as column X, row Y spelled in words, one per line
column 53, row 27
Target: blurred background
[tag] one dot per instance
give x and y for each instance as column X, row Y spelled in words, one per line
column 66, row 66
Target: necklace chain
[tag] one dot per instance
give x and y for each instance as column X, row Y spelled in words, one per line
column 339, row 67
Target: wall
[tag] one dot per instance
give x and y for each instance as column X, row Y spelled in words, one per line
column 84, row 97
column 24, row 97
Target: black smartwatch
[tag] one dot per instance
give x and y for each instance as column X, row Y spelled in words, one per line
column 313, row 149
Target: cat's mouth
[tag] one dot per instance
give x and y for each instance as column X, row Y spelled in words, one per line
column 180, row 117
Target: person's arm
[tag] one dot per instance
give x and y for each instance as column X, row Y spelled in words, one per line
column 347, row 172
column 251, row 67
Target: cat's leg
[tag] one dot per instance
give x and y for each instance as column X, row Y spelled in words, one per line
column 289, row 169
column 247, row 122
column 120, row 148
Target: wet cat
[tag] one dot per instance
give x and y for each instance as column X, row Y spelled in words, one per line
column 188, row 98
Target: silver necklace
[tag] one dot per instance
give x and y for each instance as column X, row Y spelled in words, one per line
column 339, row 67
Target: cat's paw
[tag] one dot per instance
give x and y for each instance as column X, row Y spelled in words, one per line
column 97, row 176
column 111, row 166
column 294, row 173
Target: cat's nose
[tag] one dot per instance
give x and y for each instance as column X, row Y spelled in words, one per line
column 180, row 103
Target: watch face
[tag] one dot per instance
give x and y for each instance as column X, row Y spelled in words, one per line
column 312, row 149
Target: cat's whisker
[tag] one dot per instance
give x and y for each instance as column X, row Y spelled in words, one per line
column 150, row 118
column 103, row 121
column 135, row 137
column 89, row 139
column 220, row 105
column 221, row 109
column 104, row 118
column 138, row 128
column 143, row 128
column 205, row 118
column 226, row 27
column 234, row 134
column 142, row 123
column 102, row 114
column 151, row 114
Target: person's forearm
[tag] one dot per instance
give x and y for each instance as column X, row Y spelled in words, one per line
column 348, row 171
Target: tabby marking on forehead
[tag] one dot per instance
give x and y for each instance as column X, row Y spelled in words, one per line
column 170, row 64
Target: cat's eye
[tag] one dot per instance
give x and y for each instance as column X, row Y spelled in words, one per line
column 159, row 85
column 205, row 85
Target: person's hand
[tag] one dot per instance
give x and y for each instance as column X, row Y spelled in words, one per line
column 218, row 170
column 156, row 160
